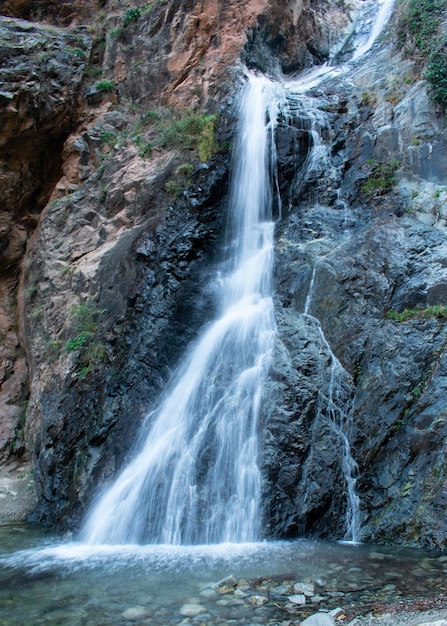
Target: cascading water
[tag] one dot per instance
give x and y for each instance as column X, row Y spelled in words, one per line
column 196, row 477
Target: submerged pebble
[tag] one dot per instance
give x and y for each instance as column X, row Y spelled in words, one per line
column 192, row 610
column 135, row 613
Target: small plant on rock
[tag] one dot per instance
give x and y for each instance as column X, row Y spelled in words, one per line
column 105, row 85
column 381, row 178
column 86, row 317
column 131, row 16
column 437, row 311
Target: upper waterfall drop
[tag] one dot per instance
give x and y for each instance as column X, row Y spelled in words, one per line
column 195, row 478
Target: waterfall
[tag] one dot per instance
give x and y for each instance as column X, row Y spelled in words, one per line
column 195, row 478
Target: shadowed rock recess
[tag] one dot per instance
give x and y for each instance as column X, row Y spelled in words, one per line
column 114, row 197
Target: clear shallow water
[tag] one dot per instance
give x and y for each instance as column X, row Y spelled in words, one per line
column 48, row 581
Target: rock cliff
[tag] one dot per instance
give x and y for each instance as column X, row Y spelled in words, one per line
column 116, row 147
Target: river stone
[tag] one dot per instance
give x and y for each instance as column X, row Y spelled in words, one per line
column 135, row 613
column 283, row 590
column 226, row 585
column 297, row 598
column 439, row 622
column 258, row 600
column 319, row 619
column 306, row 588
column 192, row 610
column 208, row 594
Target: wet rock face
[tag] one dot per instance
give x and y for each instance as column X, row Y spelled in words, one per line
column 349, row 258
column 113, row 285
column 146, row 289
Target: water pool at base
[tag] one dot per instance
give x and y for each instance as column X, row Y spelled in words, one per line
column 44, row 580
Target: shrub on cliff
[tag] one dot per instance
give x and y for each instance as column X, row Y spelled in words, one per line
column 418, row 24
column 418, row 30
column 436, row 73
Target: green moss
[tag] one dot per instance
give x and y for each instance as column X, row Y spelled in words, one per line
column 437, row 311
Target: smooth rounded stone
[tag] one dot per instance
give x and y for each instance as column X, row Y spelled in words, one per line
column 306, row 588
column 317, row 599
column 203, row 618
column 319, row 619
column 439, row 622
column 192, row 610
column 297, row 598
column 135, row 613
column 208, row 594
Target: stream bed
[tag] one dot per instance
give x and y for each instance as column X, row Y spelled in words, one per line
column 46, row 580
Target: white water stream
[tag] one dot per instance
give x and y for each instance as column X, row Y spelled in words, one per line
column 195, row 478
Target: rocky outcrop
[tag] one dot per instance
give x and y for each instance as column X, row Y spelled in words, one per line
column 112, row 284
column 121, row 207
column 355, row 253
column 41, row 72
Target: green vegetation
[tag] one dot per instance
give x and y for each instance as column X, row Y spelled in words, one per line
column 368, row 99
column 185, row 131
column 418, row 24
column 116, row 33
column 86, row 318
column 437, row 311
column 131, row 16
column 145, row 147
column 105, row 85
column 381, row 177
column 419, row 34
column 189, row 131
column 436, row 73
column 109, row 137
column 37, row 313
column 78, row 52
column 31, row 291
